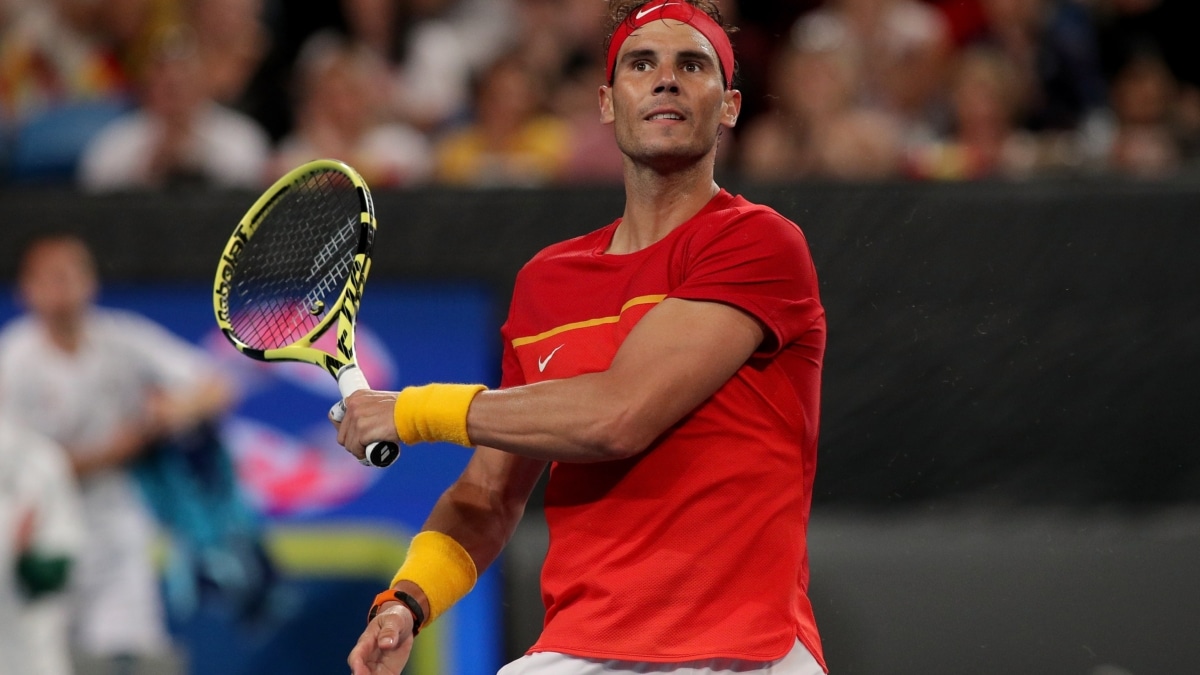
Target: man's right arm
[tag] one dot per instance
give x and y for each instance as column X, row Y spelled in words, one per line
column 481, row 509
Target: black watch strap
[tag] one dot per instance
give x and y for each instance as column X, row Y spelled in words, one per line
column 407, row 600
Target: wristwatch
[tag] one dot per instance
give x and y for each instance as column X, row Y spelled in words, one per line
column 392, row 595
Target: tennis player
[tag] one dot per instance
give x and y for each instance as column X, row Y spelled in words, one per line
column 104, row 384
column 667, row 368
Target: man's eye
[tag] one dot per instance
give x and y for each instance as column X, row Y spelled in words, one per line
column 641, row 65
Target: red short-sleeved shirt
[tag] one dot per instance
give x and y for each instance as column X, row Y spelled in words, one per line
column 696, row 547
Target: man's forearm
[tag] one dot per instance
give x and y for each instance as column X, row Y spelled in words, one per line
column 479, row 512
column 127, row 443
column 477, row 519
column 176, row 413
column 580, row 419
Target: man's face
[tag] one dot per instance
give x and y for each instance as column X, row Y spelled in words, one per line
column 58, row 282
column 668, row 99
column 174, row 86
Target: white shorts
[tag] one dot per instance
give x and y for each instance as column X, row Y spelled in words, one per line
column 796, row 662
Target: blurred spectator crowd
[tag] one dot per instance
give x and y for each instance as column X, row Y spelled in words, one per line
column 131, row 94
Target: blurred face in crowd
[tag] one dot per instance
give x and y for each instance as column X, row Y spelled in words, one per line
column 174, row 87
column 1142, row 92
column 814, row 84
column 232, row 41
column 507, row 97
column 344, row 89
column 984, row 94
column 58, row 280
column 668, row 100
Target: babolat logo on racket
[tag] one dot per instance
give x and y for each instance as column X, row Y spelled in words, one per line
column 350, row 309
column 228, row 262
column 332, row 365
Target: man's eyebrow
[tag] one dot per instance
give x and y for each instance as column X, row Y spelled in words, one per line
column 683, row 55
column 697, row 55
column 638, row 54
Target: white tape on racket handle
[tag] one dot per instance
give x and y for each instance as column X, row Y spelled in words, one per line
column 351, row 379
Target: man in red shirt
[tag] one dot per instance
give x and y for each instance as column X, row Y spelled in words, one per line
column 667, row 368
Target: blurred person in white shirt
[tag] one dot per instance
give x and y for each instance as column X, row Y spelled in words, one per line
column 41, row 534
column 178, row 134
column 105, row 385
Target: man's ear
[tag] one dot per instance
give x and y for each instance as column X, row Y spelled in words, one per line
column 731, row 107
column 606, row 105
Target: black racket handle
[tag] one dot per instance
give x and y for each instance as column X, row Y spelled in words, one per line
column 381, row 454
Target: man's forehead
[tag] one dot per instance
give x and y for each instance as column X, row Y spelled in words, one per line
column 668, row 35
column 57, row 251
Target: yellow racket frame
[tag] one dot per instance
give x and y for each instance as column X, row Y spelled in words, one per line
column 344, row 311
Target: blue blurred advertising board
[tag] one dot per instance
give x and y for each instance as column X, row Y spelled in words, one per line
column 335, row 529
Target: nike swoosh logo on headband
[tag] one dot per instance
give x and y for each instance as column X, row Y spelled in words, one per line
column 644, row 12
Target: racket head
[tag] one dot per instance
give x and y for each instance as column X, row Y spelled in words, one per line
column 295, row 264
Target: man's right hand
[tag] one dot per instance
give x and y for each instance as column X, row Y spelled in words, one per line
column 386, row 644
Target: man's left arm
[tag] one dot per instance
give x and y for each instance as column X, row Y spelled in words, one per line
column 676, row 356
column 179, row 410
column 186, row 387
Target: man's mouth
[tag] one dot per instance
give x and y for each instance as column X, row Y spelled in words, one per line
column 666, row 116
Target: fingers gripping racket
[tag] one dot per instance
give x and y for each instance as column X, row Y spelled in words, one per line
column 296, row 263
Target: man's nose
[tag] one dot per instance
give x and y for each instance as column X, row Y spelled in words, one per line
column 666, row 82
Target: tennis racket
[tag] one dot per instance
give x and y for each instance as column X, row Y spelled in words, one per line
column 295, row 265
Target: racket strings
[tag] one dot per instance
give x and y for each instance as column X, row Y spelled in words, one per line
column 295, row 266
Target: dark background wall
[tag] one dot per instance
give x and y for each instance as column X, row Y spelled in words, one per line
column 1009, row 474
column 1036, row 344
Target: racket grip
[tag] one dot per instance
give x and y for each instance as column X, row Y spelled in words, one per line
column 378, row 453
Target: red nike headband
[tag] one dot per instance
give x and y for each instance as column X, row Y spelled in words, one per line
column 678, row 11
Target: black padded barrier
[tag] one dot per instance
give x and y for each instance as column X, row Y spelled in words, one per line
column 989, row 343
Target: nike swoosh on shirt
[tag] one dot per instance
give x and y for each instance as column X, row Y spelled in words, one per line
column 543, row 362
column 644, row 12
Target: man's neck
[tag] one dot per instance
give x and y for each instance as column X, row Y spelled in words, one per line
column 656, row 204
column 66, row 335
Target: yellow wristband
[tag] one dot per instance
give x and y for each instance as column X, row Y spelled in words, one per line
column 434, row 412
column 441, row 567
